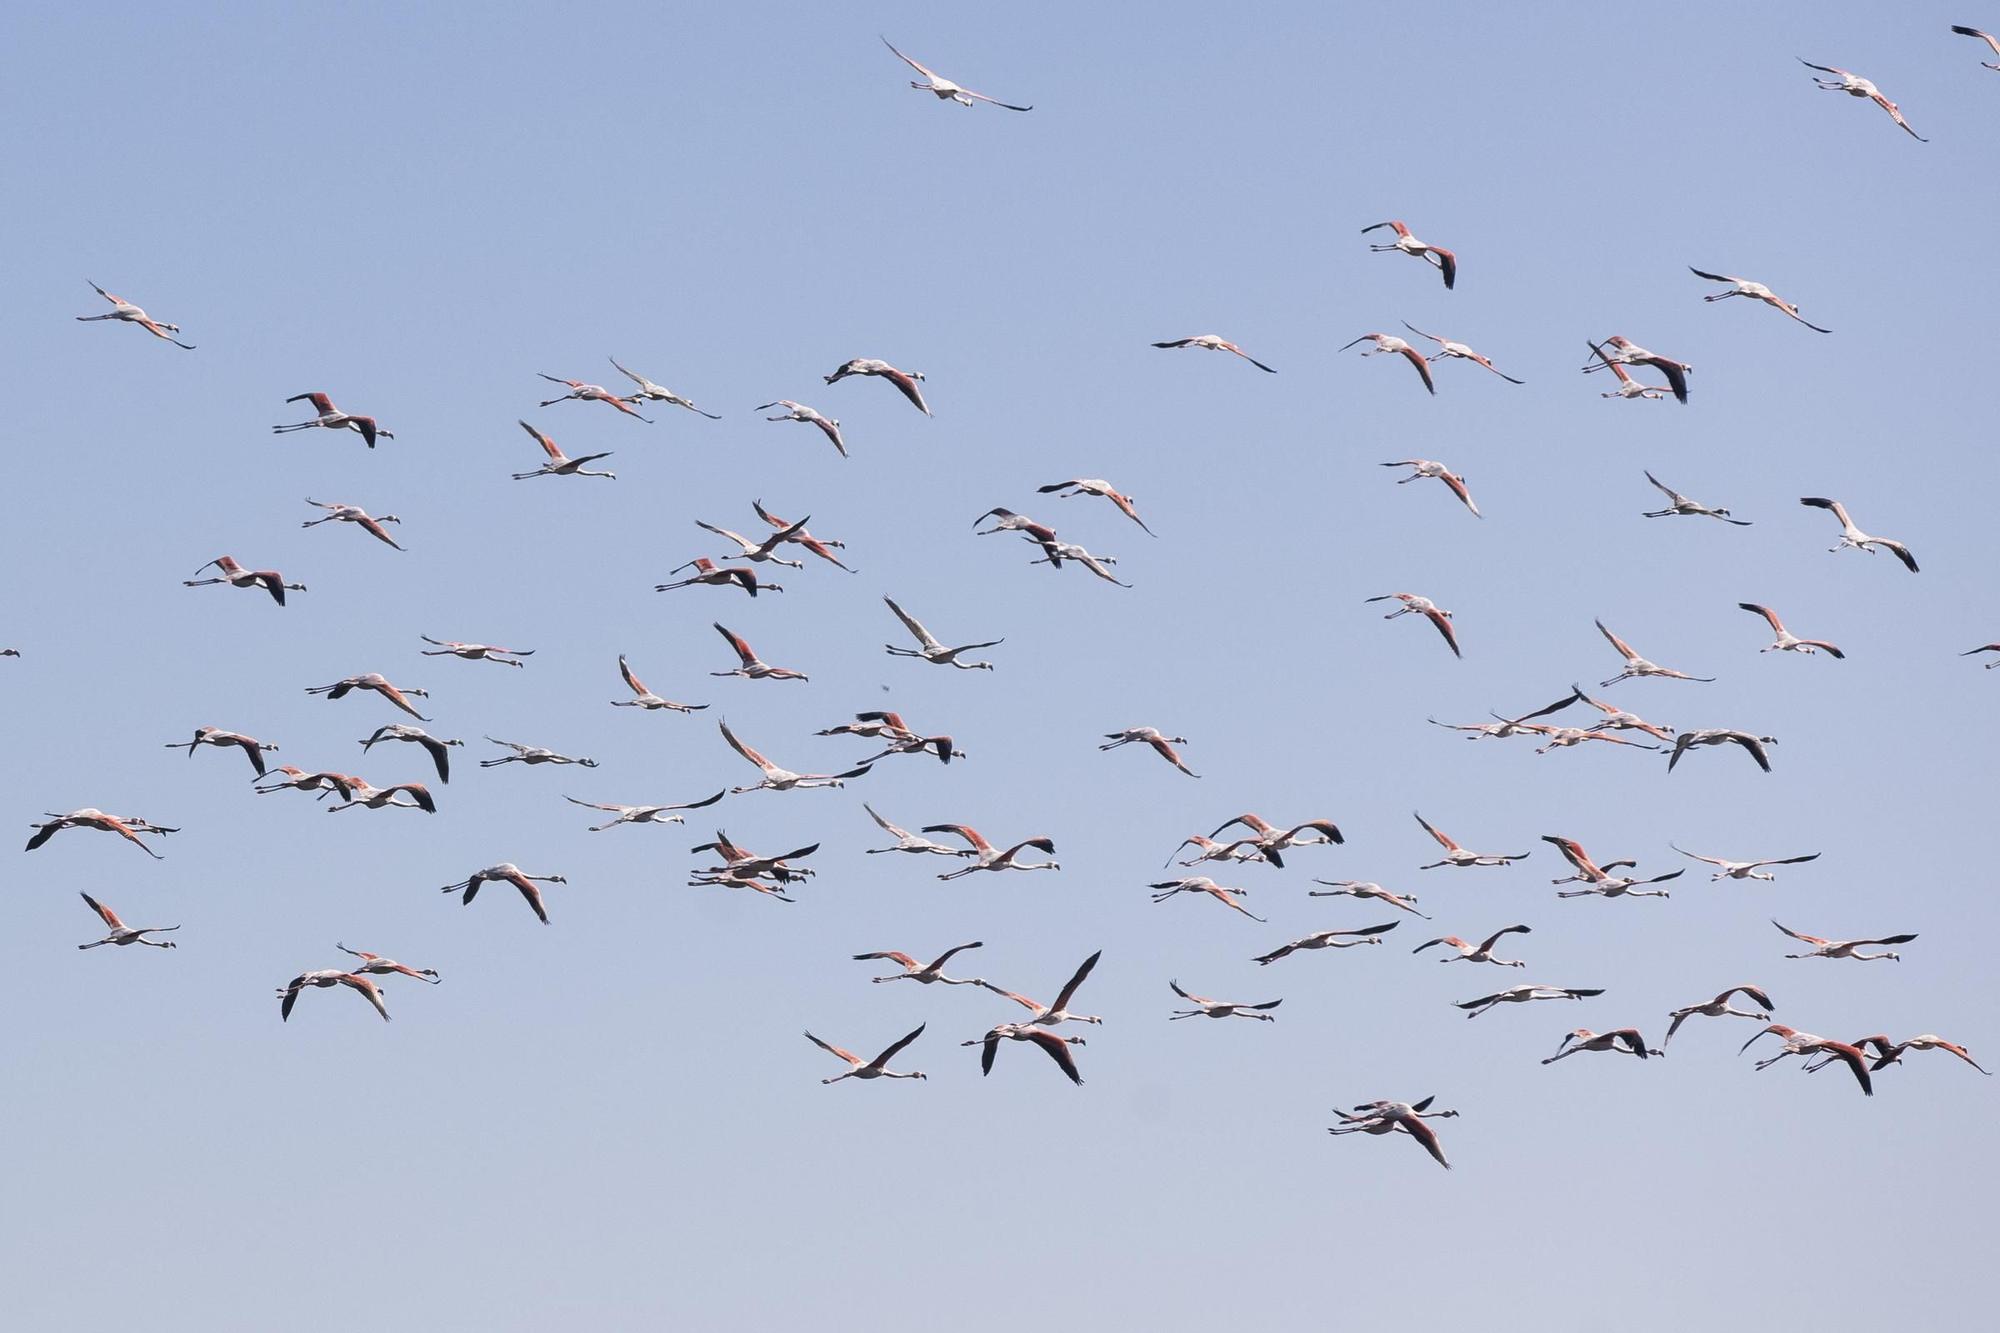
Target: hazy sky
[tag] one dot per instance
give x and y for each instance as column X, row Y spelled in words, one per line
column 612, row 1122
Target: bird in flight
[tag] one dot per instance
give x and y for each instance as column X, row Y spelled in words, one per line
column 1437, row 256
column 945, row 89
column 1216, row 343
column 1757, row 291
column 332, row 418
column 122, row 309
column 906, row 381
column 1855, row 86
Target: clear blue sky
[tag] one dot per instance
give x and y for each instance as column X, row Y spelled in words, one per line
column 613, row 1122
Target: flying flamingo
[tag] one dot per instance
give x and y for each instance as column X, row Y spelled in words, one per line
column 1481, row 952
column 1855, row 537
column 907, row 841
column 1719, row 1007
column 1389, row 342
column 1636, row 665
column 561, row 464
column 1856, row 86
column 332, row 418
column 325, row 783
column 531, row 754
column 1425, row 468
column 800, row 412
column 1050, row 1015
column 1597, row 880
column 1985, row 37
column 1806, row 1043
column 945, row 89
column 588, row 393
column 1094, row 486
column 1678, row 504
column 1757, row 291
column 250, row 745
column 783, row 779
column 1057, row 1047
column 1208, row 849
column 1627, row 386
column 1055, row 552
column 1327, row 939
column 344, row 513
column 384, row 798
column 506, row 873
column 1442, row 259
column 1455, row 855
column 1787, row 641
column 1625, row 352
column 1390, row 1117
column 921, row 972
column 436, row 748
column 758, row 552
column 1747, row 869
column 374, row 964
column 1213, row 342
column 326, row 977
column 1752, row 745
column 1203, row 884
column 1825, row 948
column 1625, row 1041
column 651, row 392
column 1983, row 648
column 1271, row 840
column 91, row 817
column 379, row 684
column 228, row 571
column 1425, row 607
column 645, row 698
column 475, row 652
column 122, row 934
column 986, row 857
column 1617, row 719
column 1207, row 1008
column 643, row 814
column 906, row 381
column 1892, row 1052
column 1359, row 888
column 930, row 649
column 741, row 867
column 709, row 574
column 122, row 309
column 796, row 532
column 1524, row 995
column 876, row 1068
column 1162, row 744
column 752, row 667
column 1450, row 350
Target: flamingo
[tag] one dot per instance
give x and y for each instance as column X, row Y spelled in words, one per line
column 325, row 783
column 1450, row 350
column 1806, row 1043
column 751, row 666
column 921, row 972
column 1752, row 745
column 1389, row 1117
column 324, row 978
column 1825, row 948
column 1360, row 888
column 907, row 841
column 1747, row 869
column 475, row 652
column 1455, row 855
column 1627, row 386
column 437, row 749
column 588, row 393
column 506, row 873
column 800, row 412
column 876, row 1068
column 1587, row 870
column 1636, row 665
column 1481, row 952
column 906, row 381
column 758, row 552
column 909, row 742
column 121, row 309
column 1506, row 727
column 1208, row 849
column 709, row 574
column 1271, row 840
column 1050, row 1015
column 930, row 649
column 1213, row 342
column 796, row 532
column 1625, row 352
column 1057, row 1047
column 1054, row 553
column 1163, row 744
column 374, row 964
column 346, row 513
column 91, row 817
column 645, row 698
column 1389, row 342
column 1856, row 86
column 250, row 745
column 384, row 798
column 1525, row 995
column 1597, row 880
column 1426, row 468
column 1719, row 1007
column 1095, row 486
column 986, row 857
column 741, row 866
column 1006, row 520
column 1855, row 537
column 1327, row 939
column 122, row 934
column 783, row 779
column 561, row 464
column 1625, row 1041
column 1203, row 884
column 876, row 725
column 1617, row 719
column 1757, row 291
column 1204, row 1007
column 228, row 571
column 1787, row 641
column 643, row 814
column 332, row 418
column 1563, row 738
column 531, row 754
column 379, row 684
column 945, row 89
column 1678, row 504
column 651, row 392
column 1983, row 648
column 1425, row 607
column 1892, row 1052
column 1442, row 259
column 1985, row 37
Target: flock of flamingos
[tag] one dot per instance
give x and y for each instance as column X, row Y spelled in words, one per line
column 1576, row 718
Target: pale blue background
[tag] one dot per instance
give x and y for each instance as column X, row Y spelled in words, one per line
column 613, row 1122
